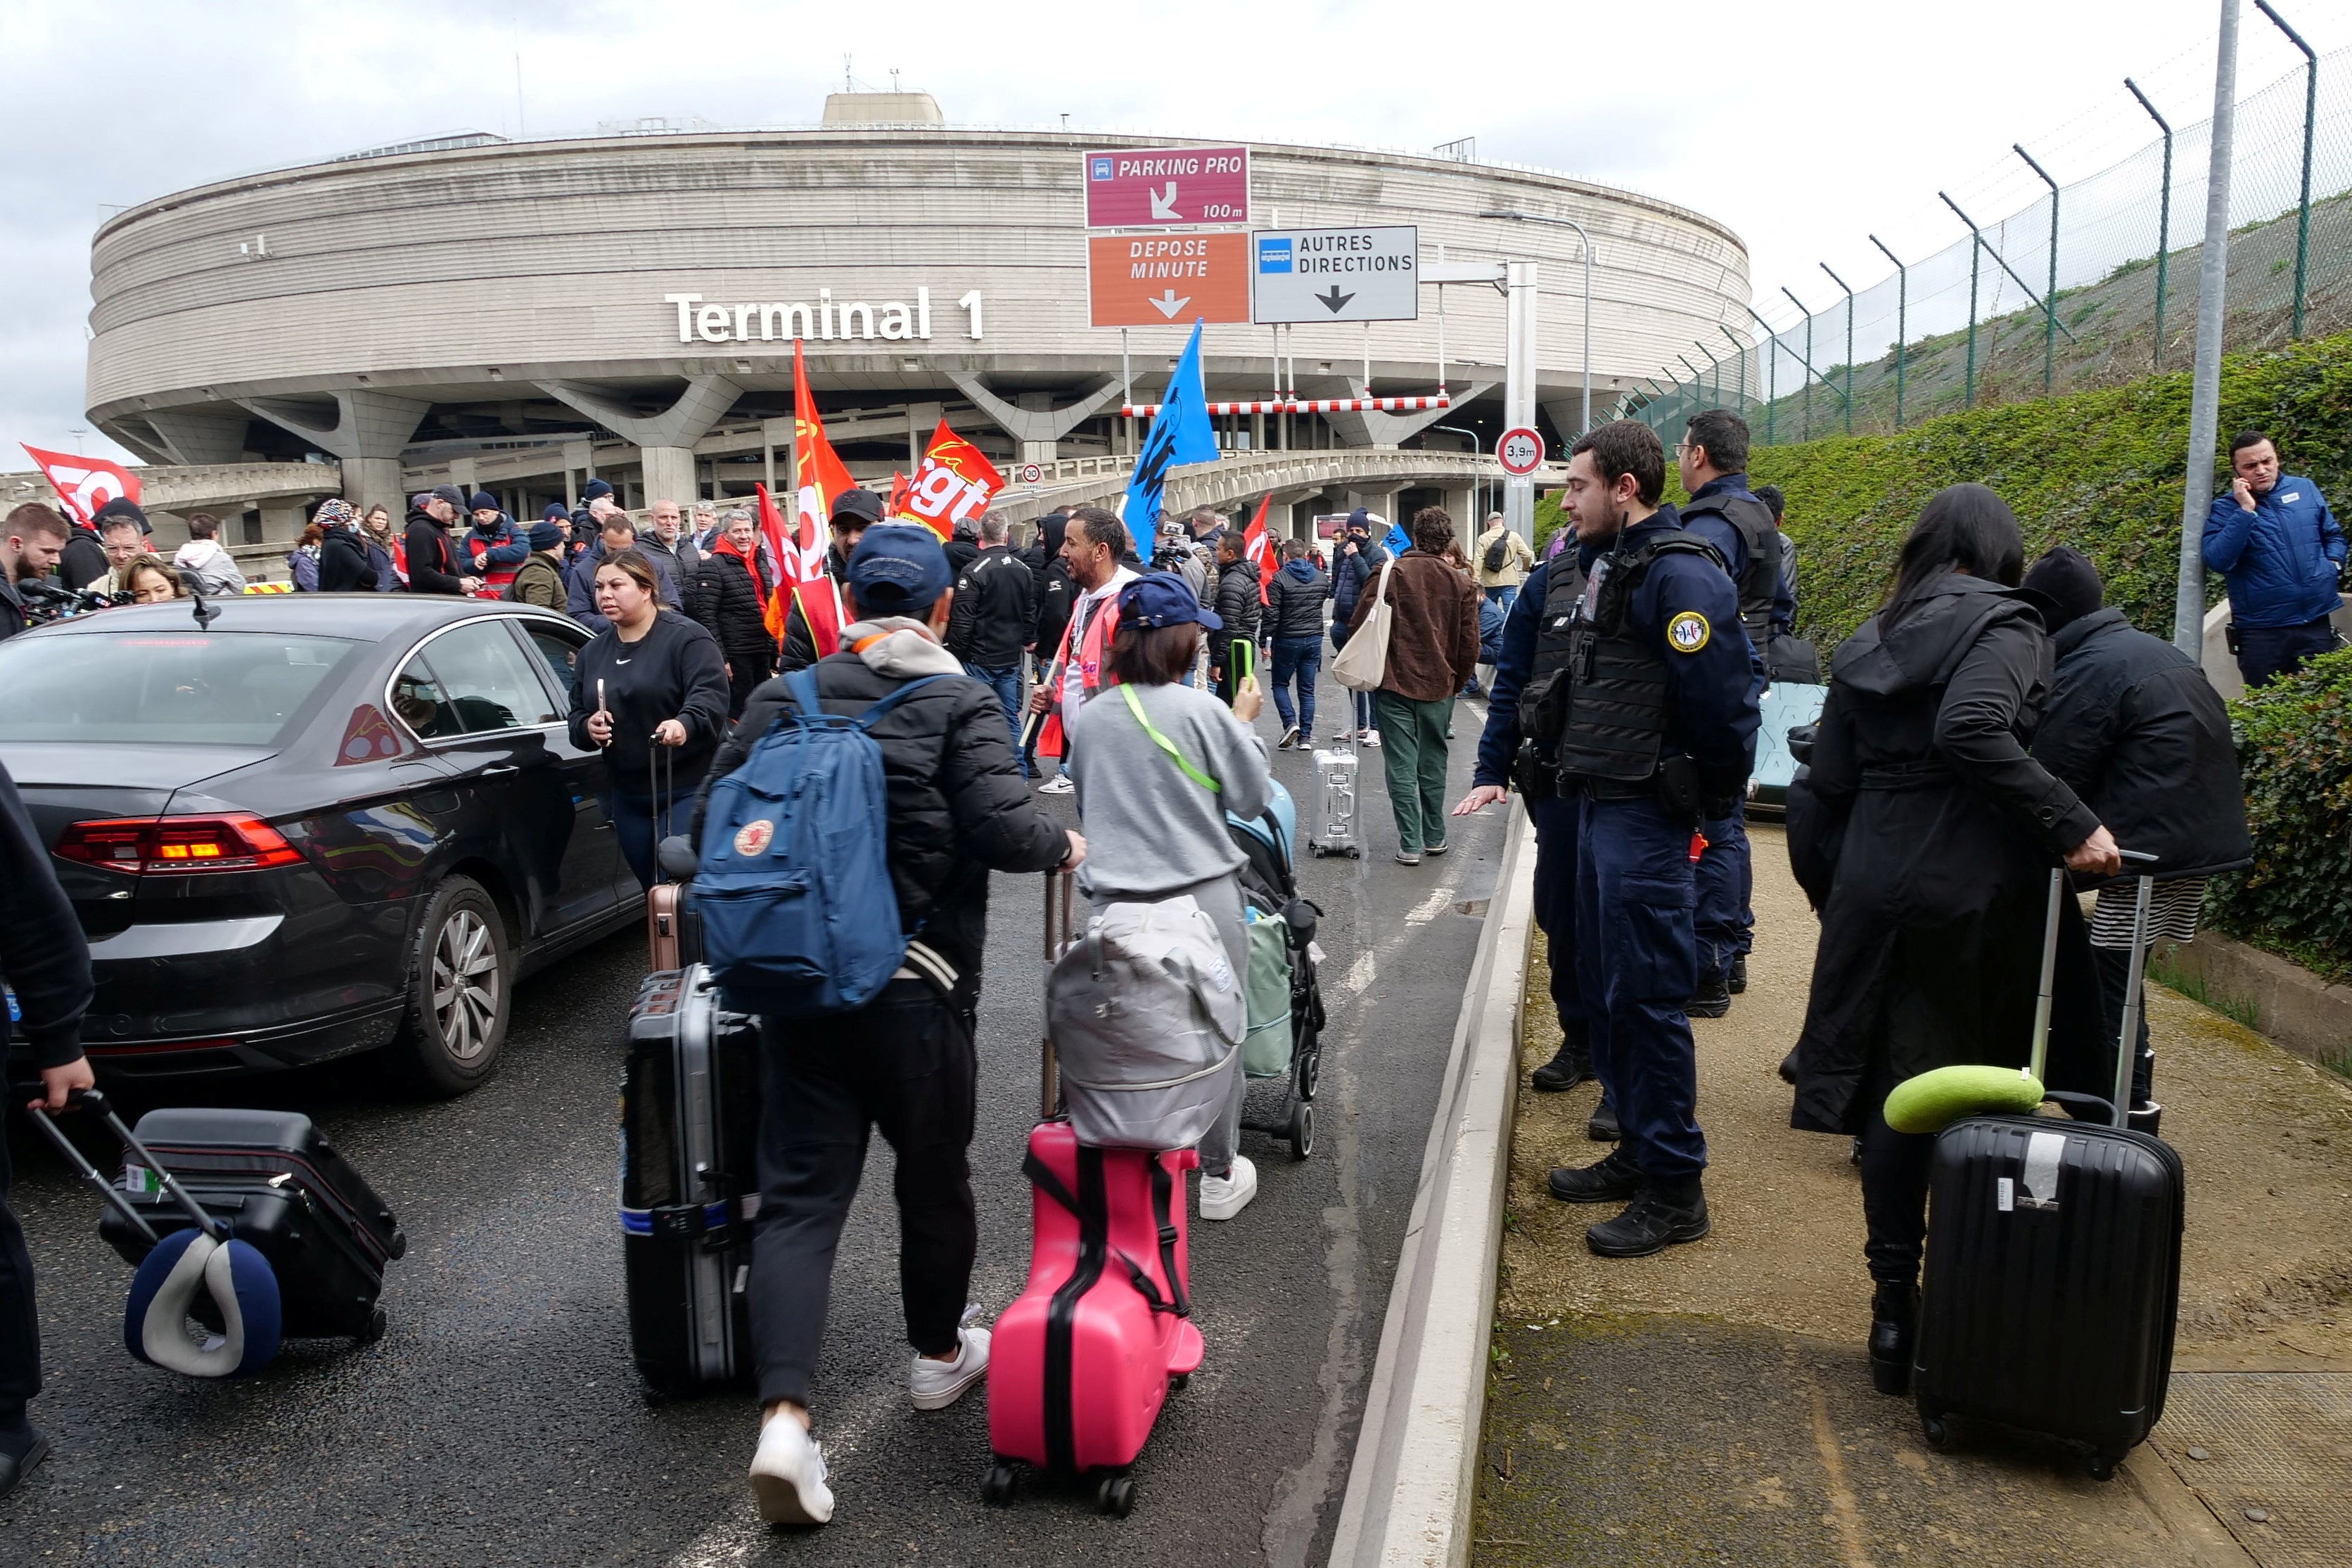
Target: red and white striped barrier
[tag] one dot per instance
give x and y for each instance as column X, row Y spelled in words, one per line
column 1307, row 406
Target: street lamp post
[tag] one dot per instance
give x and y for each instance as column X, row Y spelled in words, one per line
column 1902, row 310
column 1849, row 346
column 1589, row 259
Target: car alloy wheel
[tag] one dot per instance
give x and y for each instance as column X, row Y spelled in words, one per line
column 465, row 986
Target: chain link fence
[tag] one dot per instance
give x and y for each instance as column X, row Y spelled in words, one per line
column 1979, row 322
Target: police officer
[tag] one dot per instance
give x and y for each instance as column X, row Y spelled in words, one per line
column 1524, row 707
column 1658, row 737
column 1713, row 460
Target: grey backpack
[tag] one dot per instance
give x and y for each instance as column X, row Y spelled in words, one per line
column 1146, row 1014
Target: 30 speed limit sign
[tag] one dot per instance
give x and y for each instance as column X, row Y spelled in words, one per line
column 1520, row 452
column 1031, row 473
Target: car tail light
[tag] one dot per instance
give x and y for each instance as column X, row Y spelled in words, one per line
column 153, row 845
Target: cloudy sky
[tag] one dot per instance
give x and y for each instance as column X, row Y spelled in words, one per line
column 1804, row 124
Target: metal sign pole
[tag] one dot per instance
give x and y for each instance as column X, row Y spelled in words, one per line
column 1519, row 384
column 2205, row 382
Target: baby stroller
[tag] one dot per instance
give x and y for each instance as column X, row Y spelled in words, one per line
column 1284, row 1045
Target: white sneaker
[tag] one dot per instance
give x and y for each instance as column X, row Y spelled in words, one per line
column 1345, row 735
column 936, row 1384
column 1059, row 784
column 1369, row 738
column 788, row 1475
column 1223, row 1197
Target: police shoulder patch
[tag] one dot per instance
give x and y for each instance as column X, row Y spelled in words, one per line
column 1688, row 632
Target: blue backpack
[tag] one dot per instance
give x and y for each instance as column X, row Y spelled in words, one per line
column 793, row 884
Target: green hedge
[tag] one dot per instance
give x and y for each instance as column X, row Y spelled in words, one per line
column 2099, row 470
column 2294, row 755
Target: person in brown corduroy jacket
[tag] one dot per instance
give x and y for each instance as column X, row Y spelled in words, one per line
column 1432, row 649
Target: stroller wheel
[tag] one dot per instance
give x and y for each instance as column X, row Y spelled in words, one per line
column 1302, row 1130
column 1310, row 1069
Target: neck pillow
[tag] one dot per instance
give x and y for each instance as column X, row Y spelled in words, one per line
column 1934, row 1100
column 243, row 1288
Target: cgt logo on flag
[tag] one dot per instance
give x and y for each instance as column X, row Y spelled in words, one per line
column 84, row 484
column 955, row 483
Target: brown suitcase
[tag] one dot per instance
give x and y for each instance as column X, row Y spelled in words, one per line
column 673, row 935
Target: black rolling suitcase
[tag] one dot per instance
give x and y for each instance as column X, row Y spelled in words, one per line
column 689, row 1183
column 283, row 1189
column 2052, row 1275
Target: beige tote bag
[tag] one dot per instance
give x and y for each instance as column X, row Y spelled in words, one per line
column 1364, row 661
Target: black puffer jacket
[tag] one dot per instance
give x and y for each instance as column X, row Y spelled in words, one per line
column 344, row 563
column 2137, row 731
column 83, row 560
column 958, row 806
column 1294, row 601
column 995, row 610
column 1237, row 606
column 1050, row 576
column 723, row 598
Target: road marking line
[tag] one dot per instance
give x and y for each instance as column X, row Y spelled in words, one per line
column 1429, row 908
column 1842, row 1510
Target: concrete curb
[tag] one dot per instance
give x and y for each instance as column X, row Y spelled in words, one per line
column 2292, row 1006
column 1412, row 1480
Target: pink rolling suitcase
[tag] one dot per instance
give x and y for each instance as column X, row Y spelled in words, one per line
column 1081, row 1362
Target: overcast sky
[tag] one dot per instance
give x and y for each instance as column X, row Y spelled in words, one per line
column 1804, row 124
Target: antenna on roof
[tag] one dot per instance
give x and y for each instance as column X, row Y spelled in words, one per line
column 848, row 82
column 894, row 78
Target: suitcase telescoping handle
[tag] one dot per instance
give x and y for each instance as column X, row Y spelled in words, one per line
column 211, row 1224
column 2120, row 1107
column 1058, row 938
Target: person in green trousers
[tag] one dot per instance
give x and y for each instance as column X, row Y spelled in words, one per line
column 1432, row 649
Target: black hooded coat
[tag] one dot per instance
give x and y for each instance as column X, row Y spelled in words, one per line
column 1925, row 835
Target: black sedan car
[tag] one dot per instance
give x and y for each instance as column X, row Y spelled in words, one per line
column 312, row 824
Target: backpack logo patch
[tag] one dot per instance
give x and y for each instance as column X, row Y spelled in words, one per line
column 1689, row 633
column 753, row 837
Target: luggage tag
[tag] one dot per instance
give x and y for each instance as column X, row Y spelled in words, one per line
column 2044, row 1151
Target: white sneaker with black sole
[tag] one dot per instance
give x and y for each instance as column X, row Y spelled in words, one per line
column 788, row 1474
column 1223, row 1197
column 1059, row 784
column 936, row 1384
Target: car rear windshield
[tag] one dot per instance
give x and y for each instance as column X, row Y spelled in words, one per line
column 226, row 688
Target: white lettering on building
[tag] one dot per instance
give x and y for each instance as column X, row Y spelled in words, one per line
column 885, row 320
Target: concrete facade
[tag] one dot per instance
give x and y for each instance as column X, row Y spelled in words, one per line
column 625, row 306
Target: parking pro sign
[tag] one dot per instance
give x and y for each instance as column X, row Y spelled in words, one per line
column 1336, row 274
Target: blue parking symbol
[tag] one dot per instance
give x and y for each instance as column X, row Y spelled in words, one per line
column 1101, row 167
column 1274, row 255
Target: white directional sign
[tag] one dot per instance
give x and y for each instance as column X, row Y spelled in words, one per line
column 1335, row 275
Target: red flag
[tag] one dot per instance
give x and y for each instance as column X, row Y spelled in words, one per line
column 1258, row 545
column 955, row 483
column 84, row 484
column 821, row 477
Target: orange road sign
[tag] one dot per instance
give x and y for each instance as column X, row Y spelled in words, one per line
column 1167, row 279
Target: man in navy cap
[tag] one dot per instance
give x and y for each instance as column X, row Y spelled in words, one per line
column 956, row 810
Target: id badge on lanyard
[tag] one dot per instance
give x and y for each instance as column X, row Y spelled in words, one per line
column 1588, row 609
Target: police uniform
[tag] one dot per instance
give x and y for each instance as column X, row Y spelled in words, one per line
column 1519, row 746
column 1659, row 731
column 1740, row 526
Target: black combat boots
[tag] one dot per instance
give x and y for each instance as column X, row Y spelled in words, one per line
column 1893, row 1312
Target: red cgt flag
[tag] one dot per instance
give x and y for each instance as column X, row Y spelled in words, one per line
column 821, row 477
column 955, row 483
column 1258, row 545
column 84, row 484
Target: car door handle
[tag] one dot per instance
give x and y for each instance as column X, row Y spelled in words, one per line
column 493, row 771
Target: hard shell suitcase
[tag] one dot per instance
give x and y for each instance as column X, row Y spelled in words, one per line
column 1335, row 804
column 1081, row 1362
column 285, row 1191
column 689, row 1183
column 2053, row 1278
column 673, row 929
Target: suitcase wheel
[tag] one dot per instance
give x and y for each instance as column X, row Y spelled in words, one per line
column 1302, row 1130
column 1938, row 1436
column 1115, row 1496
column 1177, row 1382
column 2100, row 1466
column 997, row 1489
column 377, row 1323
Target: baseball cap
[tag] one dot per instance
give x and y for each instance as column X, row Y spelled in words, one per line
column 863, row 505
column 451, row 493
column 1163, row 599
column 898, row 567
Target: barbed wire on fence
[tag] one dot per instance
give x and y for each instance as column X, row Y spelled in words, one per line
column 1977, row 322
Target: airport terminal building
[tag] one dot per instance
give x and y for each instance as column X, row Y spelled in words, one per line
column 518, row 317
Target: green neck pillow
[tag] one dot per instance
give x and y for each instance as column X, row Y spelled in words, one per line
column 1934, row 1100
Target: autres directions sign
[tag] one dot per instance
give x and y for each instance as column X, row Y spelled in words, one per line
column 1336, row 274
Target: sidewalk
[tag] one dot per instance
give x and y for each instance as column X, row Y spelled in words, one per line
column 1713, row 1404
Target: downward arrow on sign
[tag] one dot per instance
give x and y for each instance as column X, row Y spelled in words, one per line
column 1169, row 303
column 1163, row 203
column 1335, row 300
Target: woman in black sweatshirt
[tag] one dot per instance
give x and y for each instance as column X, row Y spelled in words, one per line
column 655, row 678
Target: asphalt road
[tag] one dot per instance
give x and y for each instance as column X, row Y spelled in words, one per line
column 499, row 1421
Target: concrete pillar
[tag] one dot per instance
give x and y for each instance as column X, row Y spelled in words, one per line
column 374, row 481
column 922, row 418
column 1458, row 502
column 461, row 473
column 669, row 474
column 776, row 433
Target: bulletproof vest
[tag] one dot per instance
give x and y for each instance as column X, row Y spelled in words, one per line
column 1563, row 587
column 1752, row 520
column 1617, row 694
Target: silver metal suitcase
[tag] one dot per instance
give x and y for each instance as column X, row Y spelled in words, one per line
column 1334, row 832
